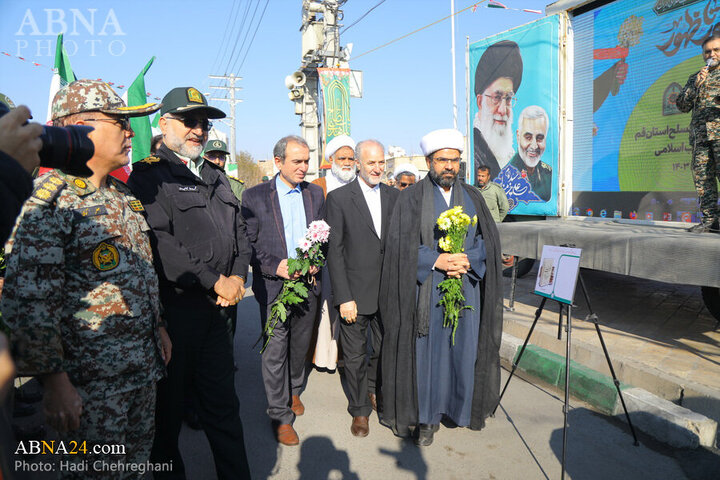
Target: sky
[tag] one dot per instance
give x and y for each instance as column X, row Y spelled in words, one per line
column 407, row 84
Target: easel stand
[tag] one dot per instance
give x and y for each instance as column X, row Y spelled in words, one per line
column 567, row 310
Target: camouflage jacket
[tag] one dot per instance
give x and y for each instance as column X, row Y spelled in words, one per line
column 704, row 101
column 81, row 294
column 237, row 186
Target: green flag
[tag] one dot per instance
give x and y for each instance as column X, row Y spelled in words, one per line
column 136, row 96
column 63, row 72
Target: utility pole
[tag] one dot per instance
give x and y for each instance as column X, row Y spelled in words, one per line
column 232, row 101
column 320, row 48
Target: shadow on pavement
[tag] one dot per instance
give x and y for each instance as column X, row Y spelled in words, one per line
column 409, row 458
column 320, row 459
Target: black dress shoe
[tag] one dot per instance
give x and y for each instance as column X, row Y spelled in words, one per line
column 425, row 434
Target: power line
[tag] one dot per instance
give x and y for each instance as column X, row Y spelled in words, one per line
column 255, row 33
column 363, row 16
column 230, row 21
column 242, row 25
column 474, row 5
column 247, row 32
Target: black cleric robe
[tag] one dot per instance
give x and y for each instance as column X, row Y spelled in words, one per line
column 399, row 312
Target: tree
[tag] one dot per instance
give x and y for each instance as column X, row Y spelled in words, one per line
column 247, row 170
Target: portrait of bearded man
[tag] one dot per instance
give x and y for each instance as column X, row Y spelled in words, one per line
column 497, row 78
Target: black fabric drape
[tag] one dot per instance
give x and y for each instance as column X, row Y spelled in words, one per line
column 398, row 305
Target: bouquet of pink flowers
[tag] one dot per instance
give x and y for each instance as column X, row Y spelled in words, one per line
column 295, row 291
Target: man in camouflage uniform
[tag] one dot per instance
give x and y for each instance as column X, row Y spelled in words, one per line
column 81, row 295
column 216, row 152
column 701, row 94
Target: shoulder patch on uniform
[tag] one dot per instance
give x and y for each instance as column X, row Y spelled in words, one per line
column 136, row 206
column 151, row 159
column 48, row 189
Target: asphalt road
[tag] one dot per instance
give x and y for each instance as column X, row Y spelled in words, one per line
column 524, row 440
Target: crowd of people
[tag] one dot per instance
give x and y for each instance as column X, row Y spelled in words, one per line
column 122, row 299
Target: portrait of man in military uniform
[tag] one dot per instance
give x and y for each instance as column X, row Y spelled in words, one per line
column 531, row 136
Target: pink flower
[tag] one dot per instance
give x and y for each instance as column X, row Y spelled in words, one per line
column 304, row 244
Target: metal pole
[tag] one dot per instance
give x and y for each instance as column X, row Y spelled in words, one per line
column 469, row 159
column 567, row 384
column 452, row 55
column 232, row 120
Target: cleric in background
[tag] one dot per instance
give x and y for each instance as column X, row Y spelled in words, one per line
column 497, row 79
column 406, row 174
column 425, row 376
column 531, row 136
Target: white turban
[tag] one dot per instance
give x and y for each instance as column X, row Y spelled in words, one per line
column 337, row 143
column 407, row 167
column 443, row 138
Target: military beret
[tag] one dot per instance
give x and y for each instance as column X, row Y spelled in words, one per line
column 187, row 99
column 94, row 96
column 501, row 59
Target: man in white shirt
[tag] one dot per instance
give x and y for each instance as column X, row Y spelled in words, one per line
column 359, row 215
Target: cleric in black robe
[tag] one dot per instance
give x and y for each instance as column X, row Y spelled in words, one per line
column 424, row 376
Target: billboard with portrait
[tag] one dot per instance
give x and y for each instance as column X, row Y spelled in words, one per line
column 514, row 110
column 631, row 154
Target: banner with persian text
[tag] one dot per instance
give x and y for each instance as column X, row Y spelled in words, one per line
column 515, row 114
column 631, row 150
column 335, row 84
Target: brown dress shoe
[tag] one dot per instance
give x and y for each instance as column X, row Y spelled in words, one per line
column 373, row 400
column 360, row 427
column 297, row 406
column 287, row 435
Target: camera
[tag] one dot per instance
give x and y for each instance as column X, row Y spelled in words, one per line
column 65, row 148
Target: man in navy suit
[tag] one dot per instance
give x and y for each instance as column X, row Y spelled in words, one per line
column 277, row 213
column 359, row 215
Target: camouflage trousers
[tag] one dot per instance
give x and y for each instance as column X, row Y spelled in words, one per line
column 706, row 174
column 120, row 426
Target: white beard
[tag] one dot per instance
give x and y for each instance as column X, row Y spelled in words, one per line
column 498, row 137
column 529, row 161
column 345, row 176
column 177, row 145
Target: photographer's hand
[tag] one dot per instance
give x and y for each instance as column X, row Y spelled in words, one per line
column 20, row 139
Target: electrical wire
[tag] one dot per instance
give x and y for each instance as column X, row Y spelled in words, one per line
column 262, row 15
column 363, row 16
column 418, row 30
column 225, row 43
column 247, row 32
column 240, row 30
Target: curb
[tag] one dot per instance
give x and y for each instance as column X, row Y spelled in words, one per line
column 663, row 420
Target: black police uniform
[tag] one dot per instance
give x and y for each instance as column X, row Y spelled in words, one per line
column 197, row 234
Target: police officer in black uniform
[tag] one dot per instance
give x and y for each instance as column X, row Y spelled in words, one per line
column 201, row 254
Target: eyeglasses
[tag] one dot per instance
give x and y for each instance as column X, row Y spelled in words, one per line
column 445, row 161
column 510, row 100
column 122, row 122
column 192, row 122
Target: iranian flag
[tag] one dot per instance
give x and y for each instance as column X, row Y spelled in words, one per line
column 135, row 96
column 63, row 72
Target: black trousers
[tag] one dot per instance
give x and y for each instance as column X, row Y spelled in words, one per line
column 361, row 372
column 202, row 365
column 283, row 361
